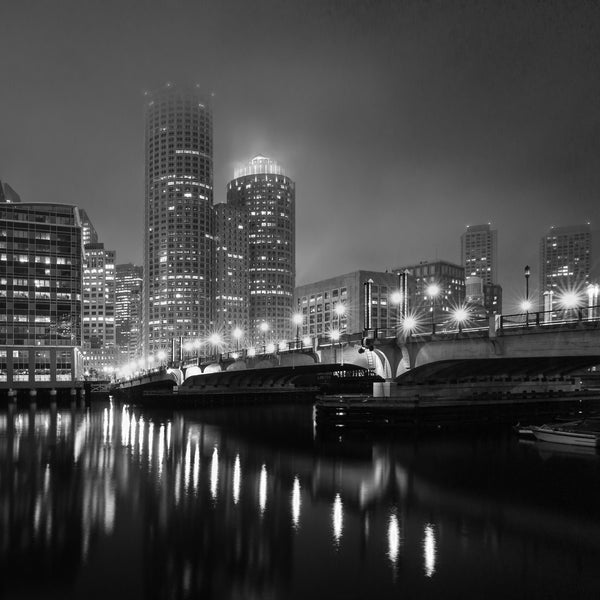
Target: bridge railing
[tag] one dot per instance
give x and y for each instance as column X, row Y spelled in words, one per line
column 550, row 318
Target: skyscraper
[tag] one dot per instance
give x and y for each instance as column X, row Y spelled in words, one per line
column 128, row 308
column 565, row 261
column 232, row 291
column 179, row 228
column 269, row 196
column 479, row 253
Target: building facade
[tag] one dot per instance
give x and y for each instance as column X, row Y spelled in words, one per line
column 479, row 253
column 128, row 309
column 269, row 197
column 338, row 304
column 179, row 225
column 40, row 296
column 232, row 299
column 439, row 288
column 565, row 263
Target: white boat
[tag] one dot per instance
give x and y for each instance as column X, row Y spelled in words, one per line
column 575, row 434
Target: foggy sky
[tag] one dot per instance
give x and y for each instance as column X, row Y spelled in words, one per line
column 401, row 122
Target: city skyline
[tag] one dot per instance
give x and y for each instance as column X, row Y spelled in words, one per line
column 400, row 124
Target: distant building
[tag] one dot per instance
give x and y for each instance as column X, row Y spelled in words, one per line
column 128, row 309
column 179, row 229
column 448, row 280
column 99, row 333
column 565, row 262
column 88, row 231
column 481, row 295
column 479, row 253
column 7, row 194
column 269, row 197
column 232, row 300
column 317, row 303
column 40, row 296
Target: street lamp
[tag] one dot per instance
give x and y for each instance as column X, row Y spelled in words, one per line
column 297, row 320
column 215, row 341
column 237, row 334
column 432, row 291
column 264, row 327
column 460, row 315
column 527, row 304
column 592, row 292
column 340, row 311
column 335, row 336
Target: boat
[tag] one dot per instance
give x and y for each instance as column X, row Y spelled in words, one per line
column 576, row 433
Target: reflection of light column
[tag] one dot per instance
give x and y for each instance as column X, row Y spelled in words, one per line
column 214, row 474
column 296, row 503
column 429, row 550
column 337, row 516
column 236, row 479
column 262, row 489
column 393, row 538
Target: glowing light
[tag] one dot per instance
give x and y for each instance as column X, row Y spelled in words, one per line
column 237, row 333
column 307, row 341
column 235, row 355
column 270, row 348
column 409, row 324
column 340, row 309
column 262, row 489
column 187, row 464
column 569, row 300
column 433, row 290
column 526, row 305
column 334, row 335
column 396, row 298
column 161, row 355
column 188, row 346
column 196, row 468
column 251, row 352
column 429, row 550
column 337, row 517
column 297, row 319
column 264, row 327
column 460, row 315
column 283, row 345
column 214, row 474
column 296, row 503
column 393, row 538
column 215, row 339
column 237, row 478
column 161, row 449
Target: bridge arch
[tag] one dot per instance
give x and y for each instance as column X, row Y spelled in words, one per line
column 191, row 371
column 212, row 368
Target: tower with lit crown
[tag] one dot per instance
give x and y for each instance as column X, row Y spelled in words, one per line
column 269, row 197
column 179, row 227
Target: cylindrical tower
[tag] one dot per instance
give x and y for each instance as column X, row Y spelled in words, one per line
column 179, row 234
column 269, row 196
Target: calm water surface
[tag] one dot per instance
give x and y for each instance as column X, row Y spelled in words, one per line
column 115, row 502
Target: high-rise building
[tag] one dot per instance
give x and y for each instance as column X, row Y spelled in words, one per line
column 128, row 309
column 231, row 286
column 269, row 196
column 99, row 333
column 448, row 281
column 40, row 296
column 565, row 261
column 479, row 253
column 179, row 229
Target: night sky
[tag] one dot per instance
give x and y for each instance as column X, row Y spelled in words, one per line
column 401, row 122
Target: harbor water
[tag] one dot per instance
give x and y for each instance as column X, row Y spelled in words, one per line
column 113, row 501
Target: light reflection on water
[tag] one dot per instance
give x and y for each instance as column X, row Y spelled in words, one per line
column 250, row 510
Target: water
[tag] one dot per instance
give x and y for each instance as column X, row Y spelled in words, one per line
column 111, row 502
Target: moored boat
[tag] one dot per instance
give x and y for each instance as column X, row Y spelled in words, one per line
column 579, row 433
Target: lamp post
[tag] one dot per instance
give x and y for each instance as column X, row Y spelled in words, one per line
column 297, row 320
column 237, row 334
column 340, row 310
column 264, row 327
column 335, row 336
column 527, row 304
column 432, row 291
column 592, row 291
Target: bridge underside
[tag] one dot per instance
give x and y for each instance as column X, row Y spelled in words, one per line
column 453, row 370
column 280, row 377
